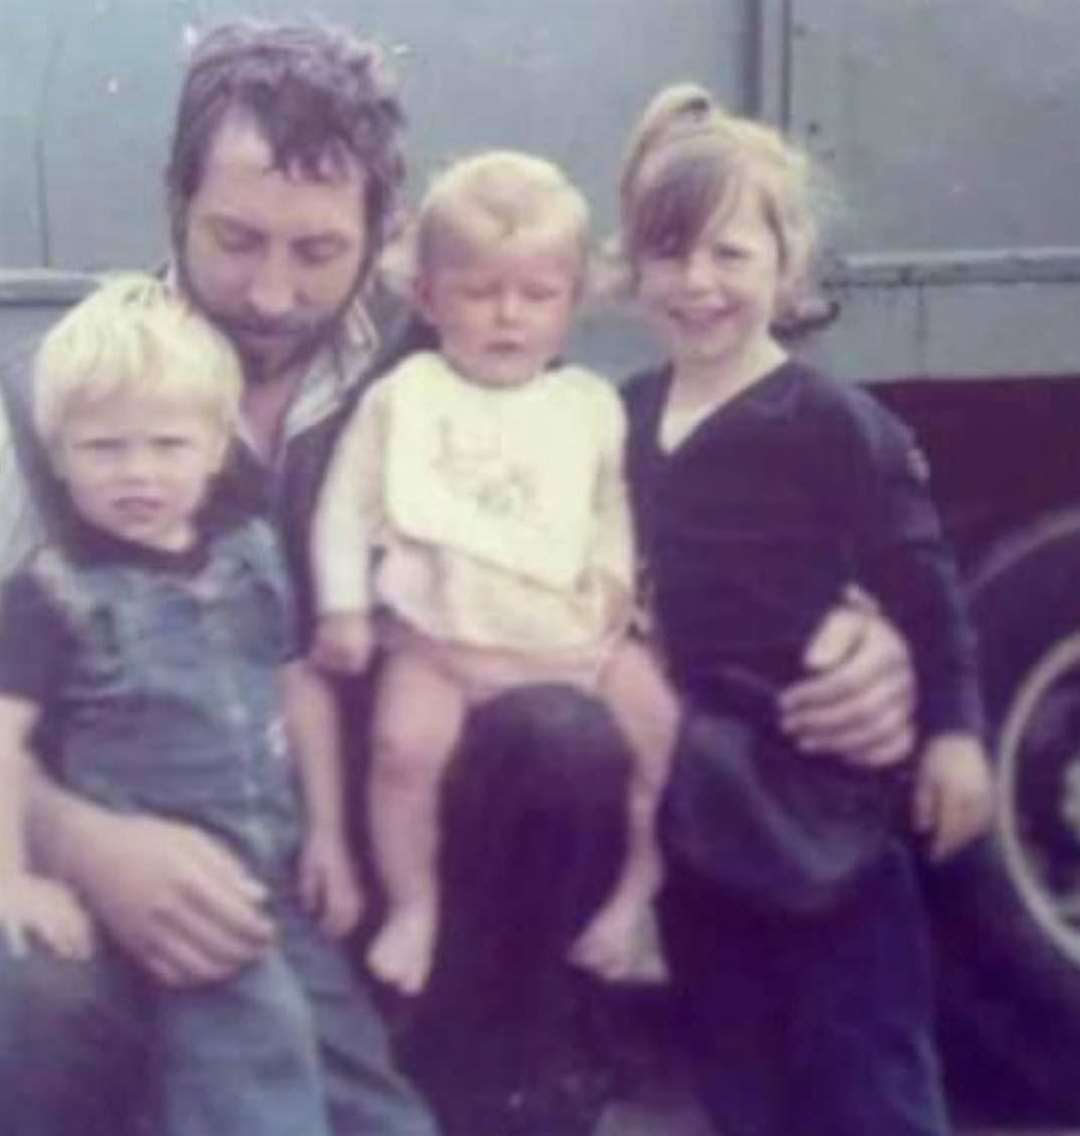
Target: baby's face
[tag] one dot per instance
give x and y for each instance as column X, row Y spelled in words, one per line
column 139, row 467
column 502, row 307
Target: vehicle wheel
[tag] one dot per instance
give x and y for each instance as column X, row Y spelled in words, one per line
column 1008, row 912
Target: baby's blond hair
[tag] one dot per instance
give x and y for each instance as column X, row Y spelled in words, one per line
column 493, row 196
column 135, row 335
column 688, row 157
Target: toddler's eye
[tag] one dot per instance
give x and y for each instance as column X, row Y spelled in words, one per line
column 101, row 445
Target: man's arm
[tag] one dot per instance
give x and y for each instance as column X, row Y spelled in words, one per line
column 167, row 892
column 20, row 525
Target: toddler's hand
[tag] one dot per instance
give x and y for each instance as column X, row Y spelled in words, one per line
column 344, row 642
column 329, row 889
column 47, row 911
column 954, row 795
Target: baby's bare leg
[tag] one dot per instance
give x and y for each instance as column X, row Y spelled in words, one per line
column 418, row 718
column 619, row 942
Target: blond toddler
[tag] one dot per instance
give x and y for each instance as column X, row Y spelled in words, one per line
column 474, row 522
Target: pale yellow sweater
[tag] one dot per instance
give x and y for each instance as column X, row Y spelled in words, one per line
column 490, row 516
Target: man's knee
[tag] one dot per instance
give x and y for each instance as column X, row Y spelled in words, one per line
column 560, row 742
column 71, row 1042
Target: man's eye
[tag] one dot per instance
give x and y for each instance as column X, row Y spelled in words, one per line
column 171, row 442
column 235, row 238
column 319, row 250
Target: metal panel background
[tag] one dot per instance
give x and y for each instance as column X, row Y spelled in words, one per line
column 948, row 123
column 89, row 87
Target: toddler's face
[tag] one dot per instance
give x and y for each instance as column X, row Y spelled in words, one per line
column 502, row 308
column 139, row 467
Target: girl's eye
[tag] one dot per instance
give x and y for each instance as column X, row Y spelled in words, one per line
column 729, row 252
column 666, row 250
column 541, row 295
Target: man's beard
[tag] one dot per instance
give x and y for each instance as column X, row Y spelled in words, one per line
column 268, row 347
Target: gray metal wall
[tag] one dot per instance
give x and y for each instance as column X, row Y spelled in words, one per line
column 949, row 126
column 951, row 130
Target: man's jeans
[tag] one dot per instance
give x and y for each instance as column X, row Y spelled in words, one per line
column 819, row 1024
column 290, row 1045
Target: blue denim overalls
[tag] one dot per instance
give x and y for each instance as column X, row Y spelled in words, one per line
column 172, row 708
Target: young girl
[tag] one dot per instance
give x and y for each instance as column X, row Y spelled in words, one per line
column 489, row 482
column 760, row 490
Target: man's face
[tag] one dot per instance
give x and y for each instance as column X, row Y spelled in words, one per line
column 271, row 257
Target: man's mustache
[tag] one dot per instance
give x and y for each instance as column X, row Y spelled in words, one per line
column 278, row 327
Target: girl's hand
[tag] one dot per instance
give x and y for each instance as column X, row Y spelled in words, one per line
column 329, row 888
column 344, row 642
column 858, row 699
column 954, row 798
column 47, row 911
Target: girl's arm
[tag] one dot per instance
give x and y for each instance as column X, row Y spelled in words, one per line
column 908, row 564
column 328, row 883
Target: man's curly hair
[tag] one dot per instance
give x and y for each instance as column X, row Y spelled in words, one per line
column 320, row 96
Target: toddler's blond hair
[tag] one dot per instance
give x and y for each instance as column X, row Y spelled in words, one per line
column 494, row 195
column 136, row 336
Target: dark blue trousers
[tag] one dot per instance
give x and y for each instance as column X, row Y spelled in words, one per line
column 803, row 1025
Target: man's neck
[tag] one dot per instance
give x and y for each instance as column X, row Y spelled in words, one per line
column 265, row 406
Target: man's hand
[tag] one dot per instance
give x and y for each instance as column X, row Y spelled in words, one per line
column 172, row 896
column 329, row 889
column 954, row 798
column 344, row 642
column 859, row 697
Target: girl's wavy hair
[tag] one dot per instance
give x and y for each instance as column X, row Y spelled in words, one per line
column 320, row 96
column 688, row 157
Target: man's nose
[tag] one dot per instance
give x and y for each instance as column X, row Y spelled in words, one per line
column 272, row 291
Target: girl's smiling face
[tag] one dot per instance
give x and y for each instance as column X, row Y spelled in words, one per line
column 713, row 301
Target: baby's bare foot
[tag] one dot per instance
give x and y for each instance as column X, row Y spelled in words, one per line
column 402, row 952
column 622, row 944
